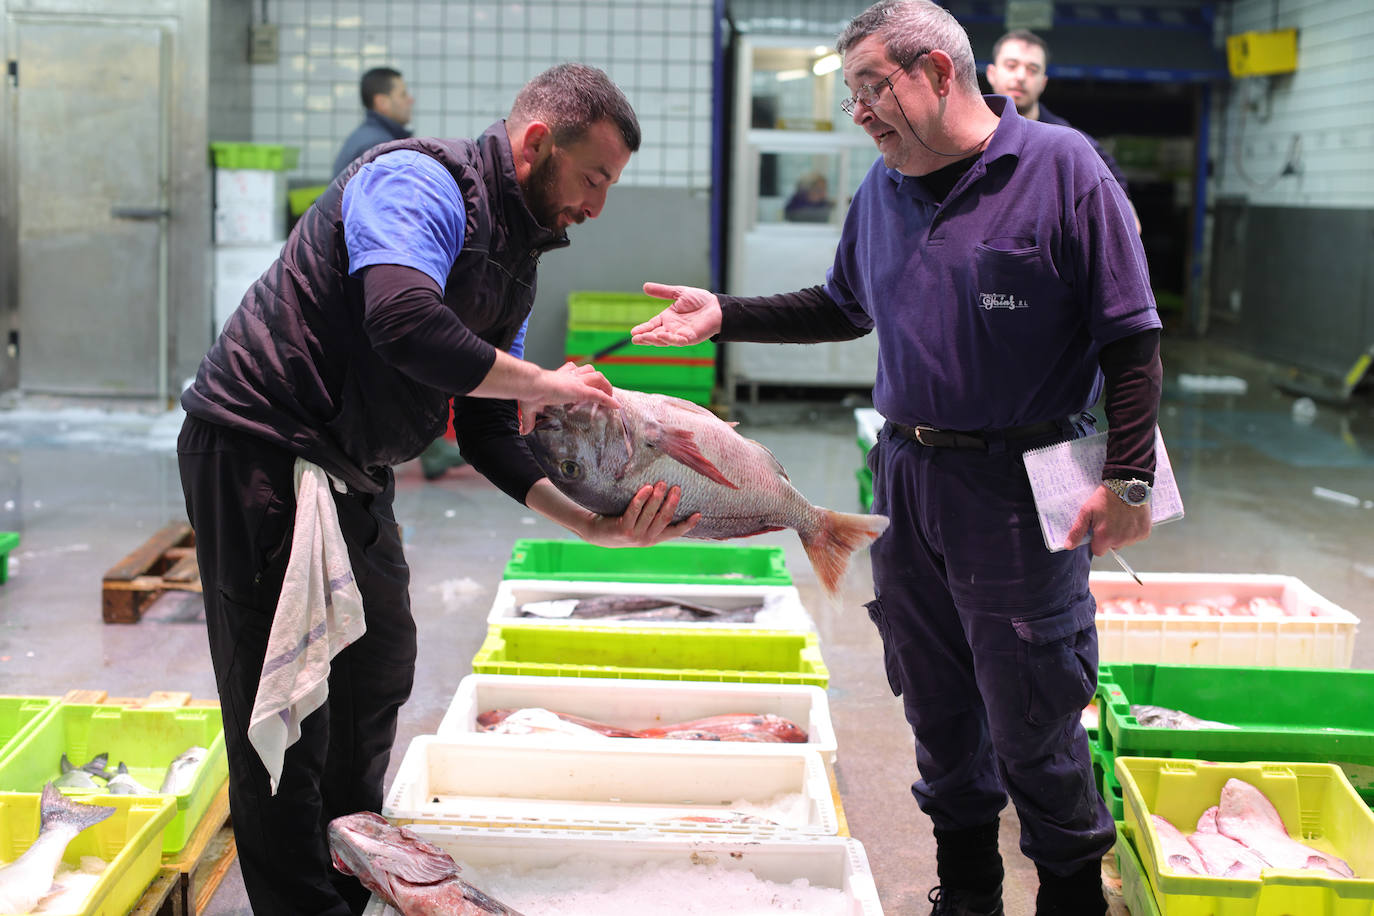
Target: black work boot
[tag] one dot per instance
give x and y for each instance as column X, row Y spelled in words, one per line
column 970, row 871
column 1075, row 894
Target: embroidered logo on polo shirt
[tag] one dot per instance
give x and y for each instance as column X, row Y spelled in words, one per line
column 1002, row 301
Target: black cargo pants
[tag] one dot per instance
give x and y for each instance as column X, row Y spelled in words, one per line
column 240, row 498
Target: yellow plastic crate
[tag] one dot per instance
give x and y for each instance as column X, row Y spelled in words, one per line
column 130, row 841
column 145, row 739
column 1319, row 808
column 708, row 654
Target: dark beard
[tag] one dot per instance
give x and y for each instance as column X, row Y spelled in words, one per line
column 539, row 190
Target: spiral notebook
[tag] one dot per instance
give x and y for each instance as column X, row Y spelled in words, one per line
column 1063, row 475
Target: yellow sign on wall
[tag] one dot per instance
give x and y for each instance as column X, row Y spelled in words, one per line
column 1262, row 53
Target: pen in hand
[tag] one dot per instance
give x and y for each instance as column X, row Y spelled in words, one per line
column 1121, row 561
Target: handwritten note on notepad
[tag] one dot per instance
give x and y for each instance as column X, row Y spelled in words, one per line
column 1063, row 475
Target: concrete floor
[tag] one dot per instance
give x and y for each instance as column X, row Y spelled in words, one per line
column 86, row 486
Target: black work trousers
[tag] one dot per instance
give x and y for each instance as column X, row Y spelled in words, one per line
column 241, row 501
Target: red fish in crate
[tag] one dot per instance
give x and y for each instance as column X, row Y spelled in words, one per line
column 414, row 877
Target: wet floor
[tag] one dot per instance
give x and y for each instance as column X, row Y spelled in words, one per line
column 1267, row 490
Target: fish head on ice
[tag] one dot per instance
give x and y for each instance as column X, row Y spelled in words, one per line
column 383, row 856
column 585, row 449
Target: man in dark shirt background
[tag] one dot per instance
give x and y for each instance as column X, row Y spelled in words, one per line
column 388, row 102
column 1019, row 61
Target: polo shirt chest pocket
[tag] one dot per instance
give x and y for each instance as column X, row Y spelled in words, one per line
column 1012, row 274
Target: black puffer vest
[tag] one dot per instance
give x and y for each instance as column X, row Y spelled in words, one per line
column 293, row 365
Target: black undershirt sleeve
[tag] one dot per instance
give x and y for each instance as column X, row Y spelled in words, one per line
column 1133, row 374
column 410, row 327
column 488, row 433
column 805, row 316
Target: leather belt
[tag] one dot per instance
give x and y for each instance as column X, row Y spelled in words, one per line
column 980, row 439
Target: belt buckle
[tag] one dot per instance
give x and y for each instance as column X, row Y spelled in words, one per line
column 924, row 429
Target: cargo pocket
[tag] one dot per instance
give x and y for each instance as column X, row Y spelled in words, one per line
column 1057, row 659
column 875, row 614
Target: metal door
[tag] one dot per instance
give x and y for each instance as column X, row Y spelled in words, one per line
column 90, row 139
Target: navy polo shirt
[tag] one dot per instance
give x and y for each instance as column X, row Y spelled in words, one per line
column 991, row 307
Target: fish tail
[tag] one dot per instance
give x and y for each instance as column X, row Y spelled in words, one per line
column 832, row 542
column 56, row 808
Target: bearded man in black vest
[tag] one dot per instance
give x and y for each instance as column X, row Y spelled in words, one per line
column 405, row 288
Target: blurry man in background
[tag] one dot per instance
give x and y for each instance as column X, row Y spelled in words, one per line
column 1019, row 60
column 388, row 102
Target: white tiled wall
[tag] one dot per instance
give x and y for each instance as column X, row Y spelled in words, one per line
column 465, row 60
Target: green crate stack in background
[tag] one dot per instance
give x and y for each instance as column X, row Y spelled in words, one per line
column 598, row 320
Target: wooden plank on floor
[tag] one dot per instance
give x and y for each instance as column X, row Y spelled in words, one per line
column 142, row 558
column 205, row 859
column 157, row 899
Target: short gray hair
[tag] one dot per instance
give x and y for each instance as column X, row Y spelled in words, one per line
column 908, row 27
column 570, row 98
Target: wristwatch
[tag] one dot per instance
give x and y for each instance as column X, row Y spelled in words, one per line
column 1132, row 492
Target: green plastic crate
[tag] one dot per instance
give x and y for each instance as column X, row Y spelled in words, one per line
column 1135, row 887
column 130, row 841
column 1319, row 808
column 707, row 654
column 1108, row 786
column 675, row 562
column 641, row 368
column 590, row 310
column 265, row 156
column 18, row 717
column 8, row 541
column 1300, row 714
column 865, row 478
column 298, row 200
column 146, row 740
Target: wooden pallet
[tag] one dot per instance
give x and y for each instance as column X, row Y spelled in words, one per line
column 189, row 878
column 158, row 699
column 166, row 561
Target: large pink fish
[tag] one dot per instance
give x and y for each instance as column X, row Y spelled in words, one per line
column 600, row 457
column 1178, row 854
column 414, row 877
column 1248, row 817
column 1221, row 855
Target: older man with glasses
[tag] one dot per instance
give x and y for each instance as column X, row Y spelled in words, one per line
column 988, row 636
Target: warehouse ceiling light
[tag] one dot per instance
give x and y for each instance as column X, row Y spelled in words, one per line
column 827, row 64
column 784, row 76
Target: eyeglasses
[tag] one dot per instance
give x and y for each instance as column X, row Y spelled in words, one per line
column 868, row 93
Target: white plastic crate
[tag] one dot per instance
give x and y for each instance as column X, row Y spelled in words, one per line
column 505, row 781
column 869, row 423
column 645, row 703
column 782, row 605
column 1326, row 640
column 825, row 862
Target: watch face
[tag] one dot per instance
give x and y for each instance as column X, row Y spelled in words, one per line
column 1137, row 493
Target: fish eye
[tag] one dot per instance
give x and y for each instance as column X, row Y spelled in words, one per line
column 570, row 469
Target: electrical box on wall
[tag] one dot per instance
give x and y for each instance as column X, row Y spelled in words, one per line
column 1262, row 53
column 262, row 44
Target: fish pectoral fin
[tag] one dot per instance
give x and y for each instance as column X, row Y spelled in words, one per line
column 681, row 446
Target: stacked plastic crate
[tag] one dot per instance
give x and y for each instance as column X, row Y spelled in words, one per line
column 599, row 326
column 36, row 733
column 523, row 803
column 250, row 217
column 1263, row 660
